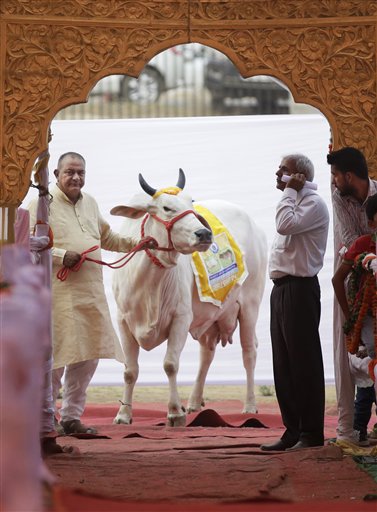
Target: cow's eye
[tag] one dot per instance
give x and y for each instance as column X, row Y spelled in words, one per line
column 166, row 209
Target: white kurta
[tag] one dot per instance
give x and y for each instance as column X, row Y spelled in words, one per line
column 82, row 327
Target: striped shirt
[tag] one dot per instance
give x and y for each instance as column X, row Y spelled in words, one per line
column 350, row 219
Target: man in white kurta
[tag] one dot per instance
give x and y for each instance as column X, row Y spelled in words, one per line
column 82, row 328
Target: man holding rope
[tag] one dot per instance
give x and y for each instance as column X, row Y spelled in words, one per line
column 82, row 328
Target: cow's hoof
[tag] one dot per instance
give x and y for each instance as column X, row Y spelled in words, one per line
column 122, row 420
column 193, row 408
column 175, row 420
column 252, row 409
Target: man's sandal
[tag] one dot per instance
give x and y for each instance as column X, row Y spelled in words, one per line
column 76, row 427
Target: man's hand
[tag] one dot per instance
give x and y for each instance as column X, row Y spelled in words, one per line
column 38, row 243
column 370, row 262
column 373, row 266
column 297, row 181
column 149, row 243
column 362, row 352
column 71, row 258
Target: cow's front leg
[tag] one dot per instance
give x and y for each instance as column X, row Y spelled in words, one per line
column 176, row 412
column 130, row 375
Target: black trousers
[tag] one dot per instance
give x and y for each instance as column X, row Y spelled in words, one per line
column 297, row 357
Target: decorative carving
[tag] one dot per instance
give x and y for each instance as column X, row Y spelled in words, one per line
column 280, row 10
column 131, row 10
column 333, row 69
column 49, row 67
column 172, row 9
column 55, row 51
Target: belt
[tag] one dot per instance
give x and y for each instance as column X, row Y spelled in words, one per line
column 287, row 279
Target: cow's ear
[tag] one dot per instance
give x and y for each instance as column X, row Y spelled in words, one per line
column 127, row 211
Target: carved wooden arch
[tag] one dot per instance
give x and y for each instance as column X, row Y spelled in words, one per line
column 53, row 53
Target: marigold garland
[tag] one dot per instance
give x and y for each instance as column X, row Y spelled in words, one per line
column 371, row 366
column 362, row 297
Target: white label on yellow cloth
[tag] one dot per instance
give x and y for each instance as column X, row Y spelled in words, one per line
column 222, row 266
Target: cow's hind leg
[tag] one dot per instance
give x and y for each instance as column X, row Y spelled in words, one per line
column 249, row 343
column 131, row 373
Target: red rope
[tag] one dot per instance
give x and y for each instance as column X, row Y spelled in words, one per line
column 63, row 273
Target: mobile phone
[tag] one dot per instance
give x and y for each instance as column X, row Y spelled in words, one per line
column 308, row 184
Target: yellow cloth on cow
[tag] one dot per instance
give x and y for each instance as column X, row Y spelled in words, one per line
column 222, row 266
column 173, row 191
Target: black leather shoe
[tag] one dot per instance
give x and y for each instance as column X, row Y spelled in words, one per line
column 279, row 446
column 300, row 445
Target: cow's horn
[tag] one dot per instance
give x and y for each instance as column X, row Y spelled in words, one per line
column 181, row 180
column 147, row 188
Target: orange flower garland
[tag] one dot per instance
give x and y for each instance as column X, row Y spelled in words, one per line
column 363, row 299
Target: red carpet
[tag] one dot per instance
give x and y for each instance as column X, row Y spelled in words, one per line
column 213, row 464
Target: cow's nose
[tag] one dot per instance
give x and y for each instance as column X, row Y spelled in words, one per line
column 204, row 235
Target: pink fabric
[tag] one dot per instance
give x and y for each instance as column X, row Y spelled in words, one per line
column 25, row 318
column 22, row 238
column 44, row 260
column 22, row 228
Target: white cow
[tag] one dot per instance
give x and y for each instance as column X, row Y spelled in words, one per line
column 158, row 300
